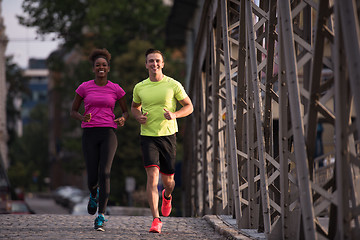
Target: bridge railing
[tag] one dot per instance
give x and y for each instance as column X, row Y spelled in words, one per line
column 265, row 74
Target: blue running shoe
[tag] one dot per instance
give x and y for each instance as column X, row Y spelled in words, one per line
column 93, row 203
column 99, row 223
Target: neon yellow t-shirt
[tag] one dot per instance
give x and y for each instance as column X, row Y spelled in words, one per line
column 154, row 97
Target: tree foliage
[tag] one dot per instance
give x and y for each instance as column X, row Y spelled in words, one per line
column 64, row 18
column 110, row 24
column 17, row 87
column 29, row 153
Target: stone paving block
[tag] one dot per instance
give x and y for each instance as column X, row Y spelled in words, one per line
column 56, row 226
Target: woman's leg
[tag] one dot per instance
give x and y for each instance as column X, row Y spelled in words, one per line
column 107, row 153
column 91, row 155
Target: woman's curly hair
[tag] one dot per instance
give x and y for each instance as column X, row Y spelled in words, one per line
column 100, row 53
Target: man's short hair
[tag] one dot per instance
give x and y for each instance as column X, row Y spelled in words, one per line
column 152, row 50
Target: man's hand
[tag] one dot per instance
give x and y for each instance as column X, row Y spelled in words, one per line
column 143, row 118
column 169, row 115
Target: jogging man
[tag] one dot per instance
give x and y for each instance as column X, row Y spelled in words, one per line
column 154, row 107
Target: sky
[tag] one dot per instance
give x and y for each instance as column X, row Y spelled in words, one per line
column 23, row 42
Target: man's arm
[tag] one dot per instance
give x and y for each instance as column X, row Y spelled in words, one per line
column 136, row 112
column 186, row 109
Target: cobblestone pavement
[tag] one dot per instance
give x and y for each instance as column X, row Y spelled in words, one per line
column 52, row 221
column 57, row 226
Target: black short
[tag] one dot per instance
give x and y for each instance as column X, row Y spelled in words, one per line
column 159, row 152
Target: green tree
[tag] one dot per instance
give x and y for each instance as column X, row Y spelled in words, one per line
column 17, row 87
column 29, row 154
column 110, row 24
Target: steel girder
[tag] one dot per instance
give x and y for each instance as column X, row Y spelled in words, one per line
column 265, row 73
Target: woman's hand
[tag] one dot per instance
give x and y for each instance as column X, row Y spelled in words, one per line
column 87, row 117
column 120, row 121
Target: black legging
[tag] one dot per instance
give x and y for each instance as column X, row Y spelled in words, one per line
column 99, row 147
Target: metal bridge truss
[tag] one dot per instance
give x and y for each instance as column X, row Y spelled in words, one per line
column 264, row 74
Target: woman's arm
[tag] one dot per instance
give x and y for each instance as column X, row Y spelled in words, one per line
column 125, row 114
column 74, row 113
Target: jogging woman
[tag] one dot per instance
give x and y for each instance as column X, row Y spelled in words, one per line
column 99, row 140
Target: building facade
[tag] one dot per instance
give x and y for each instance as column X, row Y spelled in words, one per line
column 37, row 74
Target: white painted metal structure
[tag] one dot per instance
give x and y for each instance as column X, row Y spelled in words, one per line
column 264, row 74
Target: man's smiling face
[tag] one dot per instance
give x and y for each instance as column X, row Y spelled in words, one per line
column 154, row 63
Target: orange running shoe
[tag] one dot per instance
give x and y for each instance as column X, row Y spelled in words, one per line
column 166, row 205
column 156, row 226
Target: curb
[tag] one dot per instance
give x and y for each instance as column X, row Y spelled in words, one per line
column 224, row 229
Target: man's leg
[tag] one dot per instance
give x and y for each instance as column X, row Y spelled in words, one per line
column 153, row 197
column 169, row 184
column 152, row 190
